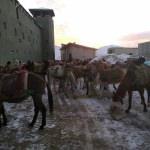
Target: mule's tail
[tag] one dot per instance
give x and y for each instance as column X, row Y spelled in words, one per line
column 50, row 98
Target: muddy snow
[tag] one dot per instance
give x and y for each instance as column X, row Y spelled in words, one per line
column 76, row 124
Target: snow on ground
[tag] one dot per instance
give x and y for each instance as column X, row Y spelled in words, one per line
column 77, row 124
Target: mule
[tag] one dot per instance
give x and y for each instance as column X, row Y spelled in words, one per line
column 79, row 74
column 61, row 74
column 39, row 68
column 24, row 85
column 92, row 73
column 112, row 76
column 137, row 78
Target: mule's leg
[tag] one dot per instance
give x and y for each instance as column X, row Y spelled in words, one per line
column 36, row 112
column 50, row 98
column 4, row 116
column 114, row 87
column 1, row 105
column 148, row 94
column 141, row 91
column 55, row 85
column 0, row 121
column 130, row 101
column 40, row 105
column 87, row 88
column 43, row 110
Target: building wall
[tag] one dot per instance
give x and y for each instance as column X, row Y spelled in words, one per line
column 77, row 53
column 144, row 50
column 20, row 35
column 120, row 50
column 46, row 22
column 80, row 53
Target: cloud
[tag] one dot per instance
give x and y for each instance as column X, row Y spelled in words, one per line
column 134, row 39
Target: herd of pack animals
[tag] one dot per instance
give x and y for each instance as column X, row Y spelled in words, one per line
column 31, row 79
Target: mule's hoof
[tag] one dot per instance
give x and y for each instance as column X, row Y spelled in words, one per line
column 51, row 113
column 41, row 127
column 5, row 124
column 51, row 110
column 30, row 125
column 127, row 111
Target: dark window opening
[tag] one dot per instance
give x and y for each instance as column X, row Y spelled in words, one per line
column 29, row 38
column 20, row 24
column 16, row 2
column 17, row 9
column 20, row 40
column 23, row 36
column 70, row 57
column 17, row 13
column 15, row 32
column 110, row 51
column 5, row 25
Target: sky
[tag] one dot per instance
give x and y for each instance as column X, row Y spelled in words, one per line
column 97, row 23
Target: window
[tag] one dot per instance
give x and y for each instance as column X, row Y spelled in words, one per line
column 20, row 24
column 15, row 32
column 33, row 41
column 16, row 2
column 19, row 40
column 5, row 25
column 110, row 51
column 0, row 34
column 0, row 11
column 17, row 9
column 23, row 35
column 29, row 38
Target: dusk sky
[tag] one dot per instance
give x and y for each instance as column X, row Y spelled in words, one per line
column 97, row 23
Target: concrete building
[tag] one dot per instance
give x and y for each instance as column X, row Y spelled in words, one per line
column 25, row 37
column 144, row 49
column 125, row 50
column 73, row 51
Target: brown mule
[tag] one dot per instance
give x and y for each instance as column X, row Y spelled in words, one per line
column 137, row 78
column 35, row 88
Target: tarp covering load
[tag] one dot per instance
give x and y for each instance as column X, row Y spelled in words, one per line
column 139, row 74
column 13, row 85
column 112, row 58
column 147, row 63
column 113, row 75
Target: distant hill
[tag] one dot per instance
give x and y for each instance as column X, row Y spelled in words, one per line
column 57, row 53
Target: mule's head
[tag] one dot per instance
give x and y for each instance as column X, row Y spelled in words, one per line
column 117, row 98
